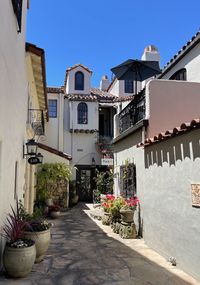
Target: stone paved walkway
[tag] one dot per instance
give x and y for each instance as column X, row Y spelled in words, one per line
column 82, row 252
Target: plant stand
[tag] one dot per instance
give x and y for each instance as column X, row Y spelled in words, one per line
column 127, row 230
column 106, row 219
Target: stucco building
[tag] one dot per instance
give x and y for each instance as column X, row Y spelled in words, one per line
column 81, row 124
column 155, row 174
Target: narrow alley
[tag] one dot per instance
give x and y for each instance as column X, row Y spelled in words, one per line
column 81, row 253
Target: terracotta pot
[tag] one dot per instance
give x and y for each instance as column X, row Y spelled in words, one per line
column 55, row 214
column 127, row 215
column 18, row 262
column 42, row 240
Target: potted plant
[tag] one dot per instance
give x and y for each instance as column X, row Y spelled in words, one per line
column 20, row 252
column 54, row 211
column 36, row 229
column 107, row 205
column 128, row 209
column 39, row 231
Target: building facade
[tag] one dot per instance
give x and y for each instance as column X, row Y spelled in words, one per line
column 81, row 124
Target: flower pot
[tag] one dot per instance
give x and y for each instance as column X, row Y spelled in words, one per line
column 127, row 215
column 55, row 214
column 106, row 219
column 42, row 240
column 18, row 262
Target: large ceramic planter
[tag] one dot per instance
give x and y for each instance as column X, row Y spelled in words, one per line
column 42, row 240
column 55, row 214
column 18, row 262
column 127, row 215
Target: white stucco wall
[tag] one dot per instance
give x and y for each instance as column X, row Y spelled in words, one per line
column 169, row 103
column 118, row 88
column 52, row 158
column 191, row 62
column 52, row 127
column 70, row 83
column 93, row 114
column 13, row 107
column 171, row 224
column 126, row 150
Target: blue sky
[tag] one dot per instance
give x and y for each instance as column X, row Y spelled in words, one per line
column 102, row 33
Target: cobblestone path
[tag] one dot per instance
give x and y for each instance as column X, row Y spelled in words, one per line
column 81, row 253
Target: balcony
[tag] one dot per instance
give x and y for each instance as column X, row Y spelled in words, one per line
column 36, row 121
column 132, row 113
column 105, row 146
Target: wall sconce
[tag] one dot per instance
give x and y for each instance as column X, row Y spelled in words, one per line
column 31, row 148
column 40, row 157
column 31, row 152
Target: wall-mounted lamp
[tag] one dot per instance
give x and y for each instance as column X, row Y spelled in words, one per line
column 31, row 152
column 31, row 148
column 93, row 162
column 40, row 157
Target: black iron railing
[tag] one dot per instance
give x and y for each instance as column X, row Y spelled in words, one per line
column 36, row 120
column 17, row 7
column 133, row 112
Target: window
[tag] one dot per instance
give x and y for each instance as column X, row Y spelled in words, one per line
column 179, row 75
column 128, row 86
column 79, row 81
column 52, row 104
column 82, row 113
column 17, row 7
column 128, row 180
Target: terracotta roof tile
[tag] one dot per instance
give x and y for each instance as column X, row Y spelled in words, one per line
column 55, row 89
column 77, row 65
column 186, row 48
column 184, row 127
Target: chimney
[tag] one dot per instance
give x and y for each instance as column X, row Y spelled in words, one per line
column 104, row 83
column 151, row 53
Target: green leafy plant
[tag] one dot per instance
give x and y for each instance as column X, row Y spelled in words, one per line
column 104, row 182
column 49, row 175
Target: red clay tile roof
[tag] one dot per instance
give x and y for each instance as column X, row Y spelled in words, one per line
column 182, row 52
column 184, row 128
column 55, row 89
column 54, row 151
column 81, row 65
column 81, row 97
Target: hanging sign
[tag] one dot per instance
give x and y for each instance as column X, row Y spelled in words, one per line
column 33, row 160
column 107, row 161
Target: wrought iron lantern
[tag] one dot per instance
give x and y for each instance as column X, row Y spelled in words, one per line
column 31, row 147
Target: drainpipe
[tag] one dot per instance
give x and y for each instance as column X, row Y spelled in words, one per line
column 60, row 122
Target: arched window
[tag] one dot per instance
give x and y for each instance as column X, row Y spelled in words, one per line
column 181, row 74
column 79, row 80
column 82, row 113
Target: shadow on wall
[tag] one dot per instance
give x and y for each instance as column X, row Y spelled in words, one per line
column 173, row 150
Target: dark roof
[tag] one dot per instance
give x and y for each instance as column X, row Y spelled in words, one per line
column 55, row 151
column 181, row 53
column 184, row 128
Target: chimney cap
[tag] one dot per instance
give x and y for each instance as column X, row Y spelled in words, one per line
column 104, row 77
column 151, row 48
